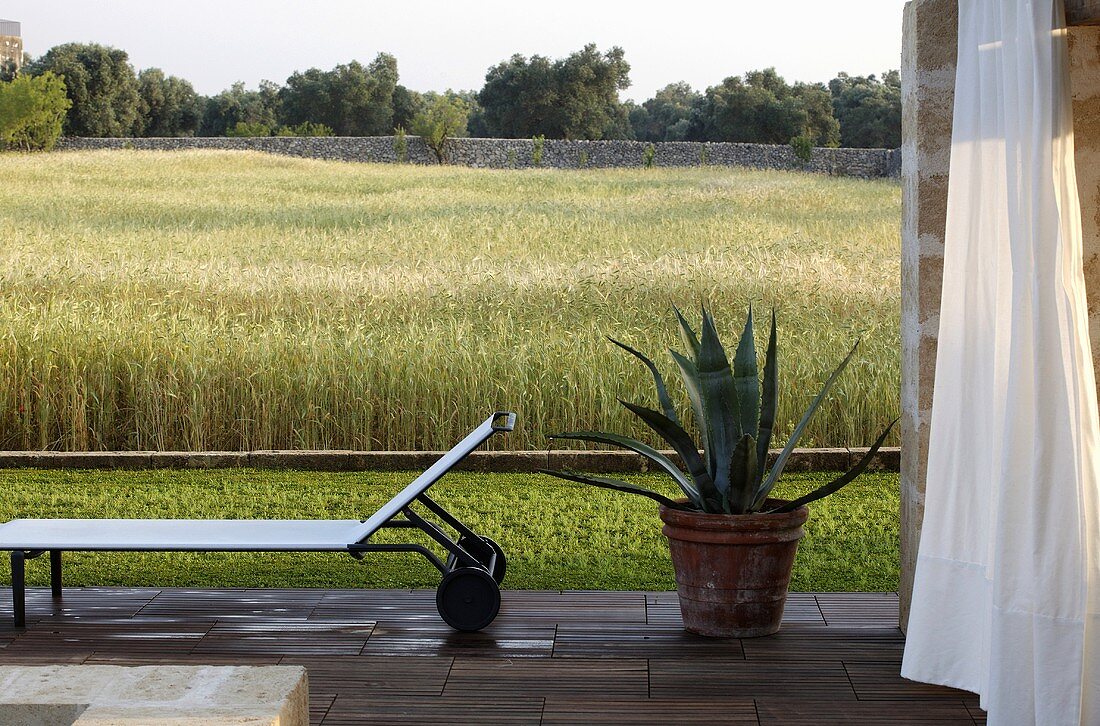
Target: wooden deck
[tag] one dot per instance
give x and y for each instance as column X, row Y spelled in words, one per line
column 384, row 657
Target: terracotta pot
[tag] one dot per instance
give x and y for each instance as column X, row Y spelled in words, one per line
column 733, row 570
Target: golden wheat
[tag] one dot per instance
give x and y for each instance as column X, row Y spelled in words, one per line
column 215, row 300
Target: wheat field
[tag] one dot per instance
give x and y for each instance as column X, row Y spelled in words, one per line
column 227, row 300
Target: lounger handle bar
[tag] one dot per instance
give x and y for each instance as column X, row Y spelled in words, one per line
column 509, row 421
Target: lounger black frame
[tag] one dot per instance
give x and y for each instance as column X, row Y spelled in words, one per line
column 468, row 596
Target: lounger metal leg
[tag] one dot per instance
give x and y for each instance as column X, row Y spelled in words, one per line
column 19, row 589
column 55, row 573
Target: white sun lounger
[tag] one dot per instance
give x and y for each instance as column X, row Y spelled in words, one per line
column 468, row 596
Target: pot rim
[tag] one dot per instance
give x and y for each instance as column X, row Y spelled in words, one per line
column 754, row 521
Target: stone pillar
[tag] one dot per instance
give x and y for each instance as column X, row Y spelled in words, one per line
column 928, row 81
column 1084, row 58
column 929, row 49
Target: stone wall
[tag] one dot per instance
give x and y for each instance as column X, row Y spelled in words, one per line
column 518, row 153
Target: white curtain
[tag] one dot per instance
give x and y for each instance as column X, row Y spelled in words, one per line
column 1007, row 585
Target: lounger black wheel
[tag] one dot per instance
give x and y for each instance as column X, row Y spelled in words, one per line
column 468, row 599
column 488, row 547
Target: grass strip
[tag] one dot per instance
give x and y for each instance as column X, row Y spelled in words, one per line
column 556, row 535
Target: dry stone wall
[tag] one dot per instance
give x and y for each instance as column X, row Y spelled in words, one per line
column 519, row 153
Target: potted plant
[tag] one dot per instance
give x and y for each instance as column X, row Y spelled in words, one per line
column 732, row 545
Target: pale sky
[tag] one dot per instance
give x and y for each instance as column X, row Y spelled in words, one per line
column 442, row 45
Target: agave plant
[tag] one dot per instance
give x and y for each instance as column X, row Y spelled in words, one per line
column 734, row 413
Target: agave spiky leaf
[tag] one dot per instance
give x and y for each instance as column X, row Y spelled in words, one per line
column 682, row 444
column 690, row 376
column 840, row 481
column 746, row 379
column 780, row 463
column 691, row 341
column 769, row 401
column 615, row 484
column 743, row 468
column 666, row 464
column 662, row 391
column 719, row 398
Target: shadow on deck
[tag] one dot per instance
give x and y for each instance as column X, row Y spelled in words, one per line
column 384, row 656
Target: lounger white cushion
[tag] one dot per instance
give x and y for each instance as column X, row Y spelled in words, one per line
column 207, row 535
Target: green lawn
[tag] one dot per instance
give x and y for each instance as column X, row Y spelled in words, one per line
column 557, row 535
column 236, row 301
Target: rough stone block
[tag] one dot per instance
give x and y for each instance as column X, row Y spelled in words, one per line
column 156, row 695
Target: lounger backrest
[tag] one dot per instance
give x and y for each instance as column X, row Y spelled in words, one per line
column 501, row 421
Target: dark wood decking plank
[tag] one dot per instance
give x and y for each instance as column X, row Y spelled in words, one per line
column 740, row 679
column 319, row 705
column 87, row 602
column 437, row 711
column 572, row 606
column 437, row 639
column 859, row 609
column 595, row 640
column 149, row 637
column 286, row 637
column 377, row 605
column 797, row 643
column 545, row 676
column 648, row 712
column 882, row 681
column 183, row 659
column 384, row 675
column 228, row 604
column 824, row 712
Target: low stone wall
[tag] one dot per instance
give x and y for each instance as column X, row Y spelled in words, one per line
column 519, row 153
column 601, row 462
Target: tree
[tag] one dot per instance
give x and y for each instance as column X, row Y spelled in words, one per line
column 406, row 104
column 101, row 86
column 352, row 99
column 519, row 98
column 237, row 105
column 869, row 110
column 666, row 116
column 763, row 108
column 821, row 128
column 32, row 111
column 443, row 119
column 169, row 105
column 7, row 71
column 588, row 94
column 571, row 98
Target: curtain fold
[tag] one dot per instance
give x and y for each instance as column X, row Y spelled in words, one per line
column 1007, row 587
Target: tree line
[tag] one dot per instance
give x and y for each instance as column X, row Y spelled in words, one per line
column 576, row 97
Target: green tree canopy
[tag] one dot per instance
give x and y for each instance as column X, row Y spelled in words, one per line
column 169, row 105
column 32, row 111
column 352, row 99
column 763, row 108
column 571, row 98
column 101, row 85
column 869, row 110
column 238, row 105
column 406, row 105
column 668, row 115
